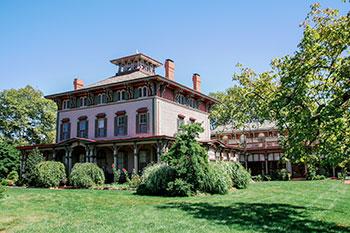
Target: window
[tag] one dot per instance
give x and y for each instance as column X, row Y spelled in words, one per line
column 83, row 101
column 101, row 125
column 120, row 160
column 121, row 124
column 82, row 127
column 142, row 120
column 65, row 104
column 180, row 121
column 65, row 129
column 121, row 95
column 142, row 92
column 143, row 159
column 192, row 120
column 101, row 99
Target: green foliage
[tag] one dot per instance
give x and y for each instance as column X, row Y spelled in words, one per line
column 3, row 191
column 85, row 175
column 239, row 175
column 11, row 179
column 284, row 174
column 180, row 187
column 218, row 180
column 34, row 158
column 189, row 159
column 116, row 174
column 26, row 117
column 155, row 179
column 49, row 174
column 9, row 159
column 307, row 93
column 135, row 180
column 258, row 178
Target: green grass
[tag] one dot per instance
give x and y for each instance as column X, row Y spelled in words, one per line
column 301, row 206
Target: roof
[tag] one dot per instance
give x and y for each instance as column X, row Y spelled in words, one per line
column 136, row 56
column 254, row 126
column 118, row 79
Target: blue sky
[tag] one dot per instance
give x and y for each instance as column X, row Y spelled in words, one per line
column 47, row 44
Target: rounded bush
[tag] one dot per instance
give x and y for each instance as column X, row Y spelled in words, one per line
column 49, row 174
column 3, row 191
column 85, row 175
column 218, row 180
column 155, row 179
column 239, row 175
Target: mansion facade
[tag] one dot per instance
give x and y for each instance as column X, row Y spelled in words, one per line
column 128, row 119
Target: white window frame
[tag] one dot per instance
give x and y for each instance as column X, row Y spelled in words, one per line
column 65, row 104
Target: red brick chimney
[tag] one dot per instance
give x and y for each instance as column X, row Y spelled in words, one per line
column 78, row 83
column 169, row 69
column 196, row 82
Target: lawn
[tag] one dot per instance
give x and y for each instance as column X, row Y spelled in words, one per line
column 293, row 206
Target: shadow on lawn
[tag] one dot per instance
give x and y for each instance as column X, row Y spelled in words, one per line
column 259, row 217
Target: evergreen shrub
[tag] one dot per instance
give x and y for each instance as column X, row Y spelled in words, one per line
column 34, row 158
column 3, row 191
column 218, row 180
column 85, row 175
column 239, row 175
column 49, row 174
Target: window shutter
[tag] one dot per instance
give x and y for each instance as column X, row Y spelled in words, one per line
column 96, row 99
column 69, row 130
column 126, row 95
column 61, row 133
column 104, row 99
column 148, row 122
column 78, row 102
column 78, row 128
column 137, row 123
column 105, row 128
column 96, row 127
column 125, row 125
column 115, row 96
column 115, row 126
column 86, row 134
column 136, row 94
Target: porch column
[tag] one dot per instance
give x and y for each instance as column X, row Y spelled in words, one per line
column 66, row 158
column 70, row 160
column 158, row 152
column 246, row 161
column 333, row 169
column 266, row 164
column 135, row 158
column 53, row 154
column 87, row 152
column 289, row 167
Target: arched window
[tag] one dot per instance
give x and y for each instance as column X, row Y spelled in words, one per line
column 101, row 99
column 142, row 91
column 65, row 104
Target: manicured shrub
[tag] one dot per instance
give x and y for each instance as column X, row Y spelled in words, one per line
column 180, row 187
column 49, row 174
column 239, row 175
column 85, row 175
column 9, row 159
column 155, row 179
column 34, row 158
column 284, row 174
column 218, row 180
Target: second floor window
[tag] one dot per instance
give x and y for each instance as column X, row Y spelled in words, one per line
column 65, row 104
column 142, row 92
column 180, row 121
column 83, row 102
column 101, row 127
column 65, row 130
column 82, row 129
column 142, row 122
column 121, row 125
column 101, row 98
column 121, row 95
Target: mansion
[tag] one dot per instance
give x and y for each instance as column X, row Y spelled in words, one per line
column 128, row 119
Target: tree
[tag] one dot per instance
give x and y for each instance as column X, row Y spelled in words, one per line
column 26, row 117
column 307, row 93
column 34, row 158
column 189, row 160
column 9, row 159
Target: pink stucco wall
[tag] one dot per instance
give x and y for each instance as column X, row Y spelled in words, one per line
column 130, row 106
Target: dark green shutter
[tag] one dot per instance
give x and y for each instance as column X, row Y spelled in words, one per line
column 126, row 95
column 69, row 130
column 125, row 125
column 105, row 128
column 78, row 128
column 78, row 102
column 137, row 123
column 68, row 104
column 96, row 99
column 148, row 122
column 115, row 96
column 104, row 99
column 61, row 133
column 96, row 127
column 136, row 93
column 115, row 126
column 86, row 134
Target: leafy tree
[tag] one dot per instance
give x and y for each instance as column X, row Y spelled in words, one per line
column 26, row 117
column 9, row 159
column 307, row 93
column 190, row 161
column 34, row 158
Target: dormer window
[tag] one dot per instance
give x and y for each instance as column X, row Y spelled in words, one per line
column 65, row 104
column 181, row 99
column 142, row 92
column 101, row 99
column 83, row 101
column 121, row 95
